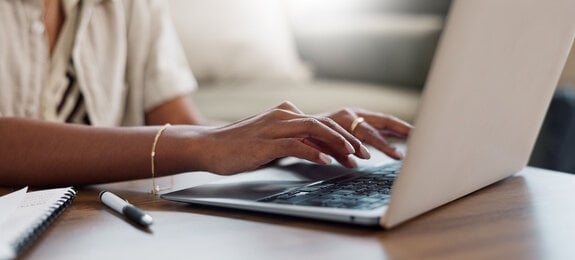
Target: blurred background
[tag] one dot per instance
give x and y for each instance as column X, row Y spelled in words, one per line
column 250, row 55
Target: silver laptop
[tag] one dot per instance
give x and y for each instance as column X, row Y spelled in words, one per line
column 492, row 79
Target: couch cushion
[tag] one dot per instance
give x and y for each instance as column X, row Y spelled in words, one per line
column 234, row 101
column 323, row 7
column 395, row 49
column 237, row 40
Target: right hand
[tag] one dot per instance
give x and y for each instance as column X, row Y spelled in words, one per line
column 280, row 132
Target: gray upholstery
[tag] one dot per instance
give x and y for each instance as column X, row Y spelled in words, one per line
column 231, row 101
column 392, row 49
column 376, row 58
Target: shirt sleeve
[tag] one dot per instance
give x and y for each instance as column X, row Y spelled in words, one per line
column 167, row 73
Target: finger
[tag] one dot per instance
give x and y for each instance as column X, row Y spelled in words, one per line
column 337, row 139
column 390, row 134
column 383, row 121
column 321, row 128
column 313, row 144
column 308, row 127
column 371, row 136
column 343, row 159
column 296, row 148
column 360, row 150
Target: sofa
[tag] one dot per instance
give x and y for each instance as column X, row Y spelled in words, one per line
column 250, row 55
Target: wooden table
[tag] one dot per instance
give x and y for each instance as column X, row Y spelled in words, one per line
column 528, row 216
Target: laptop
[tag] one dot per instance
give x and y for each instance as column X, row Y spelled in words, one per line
column 491, row 81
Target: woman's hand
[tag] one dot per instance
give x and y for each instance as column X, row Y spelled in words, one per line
column 374, row 129
column 280, row 132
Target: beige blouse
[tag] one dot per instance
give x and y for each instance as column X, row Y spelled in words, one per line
column 127, row 57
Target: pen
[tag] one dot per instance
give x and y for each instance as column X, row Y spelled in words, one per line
column 123, row 207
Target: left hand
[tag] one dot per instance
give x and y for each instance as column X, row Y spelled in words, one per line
column 375, row 129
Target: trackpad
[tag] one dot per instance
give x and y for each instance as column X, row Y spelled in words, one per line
column 262, row 183
column 244, row 190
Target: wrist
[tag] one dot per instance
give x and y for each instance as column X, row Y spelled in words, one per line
column 179, row 150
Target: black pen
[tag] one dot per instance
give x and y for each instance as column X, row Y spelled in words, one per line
column 123, row 207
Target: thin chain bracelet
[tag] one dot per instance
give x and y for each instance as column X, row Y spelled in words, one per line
column 156, row 188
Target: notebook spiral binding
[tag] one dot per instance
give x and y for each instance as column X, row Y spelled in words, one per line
column 43, row 223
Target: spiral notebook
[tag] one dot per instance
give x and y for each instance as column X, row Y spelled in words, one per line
column 25, row 215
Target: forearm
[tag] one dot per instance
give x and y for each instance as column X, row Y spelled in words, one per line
column 39, row 153
column 47, row 154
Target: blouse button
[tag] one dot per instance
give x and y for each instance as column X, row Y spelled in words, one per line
column 38, row 27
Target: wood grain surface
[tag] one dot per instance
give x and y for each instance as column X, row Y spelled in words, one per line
column 527, row 216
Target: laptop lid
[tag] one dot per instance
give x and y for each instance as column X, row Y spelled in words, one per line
column 491, row 81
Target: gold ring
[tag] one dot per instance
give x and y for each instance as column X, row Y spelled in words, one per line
column 355, row 123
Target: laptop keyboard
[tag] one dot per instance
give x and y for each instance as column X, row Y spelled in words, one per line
column 368, row 189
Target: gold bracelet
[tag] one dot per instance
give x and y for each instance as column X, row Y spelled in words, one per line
column 155, row 188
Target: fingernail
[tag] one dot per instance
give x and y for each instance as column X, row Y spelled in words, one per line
column 324, row 158
column 399, row 154
column 364, row 153
column 352, row 162
column 349, row 148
